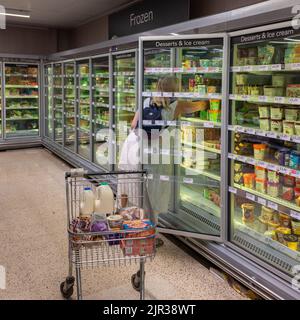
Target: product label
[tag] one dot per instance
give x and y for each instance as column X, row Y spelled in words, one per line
column 232, row 190
column 250, row 196
column 188, row 180
column 262, row 201
column 272, row 205
column 295, row 214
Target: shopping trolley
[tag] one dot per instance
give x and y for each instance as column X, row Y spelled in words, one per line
column 108, row 246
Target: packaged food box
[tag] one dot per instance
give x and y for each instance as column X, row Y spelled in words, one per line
column 144, row 228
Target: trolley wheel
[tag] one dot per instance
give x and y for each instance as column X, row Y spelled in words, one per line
column 136, row 281
column 67, row 287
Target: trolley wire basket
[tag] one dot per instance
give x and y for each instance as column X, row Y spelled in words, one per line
column 96, row 242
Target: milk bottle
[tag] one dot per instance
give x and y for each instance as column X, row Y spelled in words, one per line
column 87, row 202
column 104, row 202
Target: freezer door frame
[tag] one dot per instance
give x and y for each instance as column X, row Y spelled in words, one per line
column 224, row 182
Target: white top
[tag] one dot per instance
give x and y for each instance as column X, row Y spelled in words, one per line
column 167, row 114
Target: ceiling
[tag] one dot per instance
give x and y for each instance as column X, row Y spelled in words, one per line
column 60, row 13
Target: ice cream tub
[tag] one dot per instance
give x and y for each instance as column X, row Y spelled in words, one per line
column 281, row 232
column 288, row 127
column 276, row 125
column 264, row 124
column 276, row 113
column 259, row 151
column 264, row 111
column 267, row 214
column 291, row 114
column 291, row 241
column 248, row 212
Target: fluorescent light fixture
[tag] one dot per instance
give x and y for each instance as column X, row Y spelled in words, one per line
column 174, row 34
column 15, row 15
column 294, row 40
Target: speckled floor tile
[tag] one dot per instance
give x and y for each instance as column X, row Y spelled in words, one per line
column 34, row 243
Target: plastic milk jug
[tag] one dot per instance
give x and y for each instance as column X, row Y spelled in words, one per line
column 104, row 202
column 87, row 202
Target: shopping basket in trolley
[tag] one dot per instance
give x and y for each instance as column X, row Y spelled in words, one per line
column 132, row 242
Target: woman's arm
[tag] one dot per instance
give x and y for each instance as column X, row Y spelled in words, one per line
column 135, row 120
column 189, row 107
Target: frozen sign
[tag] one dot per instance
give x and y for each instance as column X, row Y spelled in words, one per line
column 136, row 19
column 266, row 35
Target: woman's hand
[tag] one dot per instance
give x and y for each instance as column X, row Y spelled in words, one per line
column 190, row 107
column 135, row 121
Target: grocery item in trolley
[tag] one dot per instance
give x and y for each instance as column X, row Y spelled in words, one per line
column 87, row 202
column 104, row 200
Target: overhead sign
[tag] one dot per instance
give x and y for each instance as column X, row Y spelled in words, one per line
column 182, row 43
column 148, row 15
column 266, row 35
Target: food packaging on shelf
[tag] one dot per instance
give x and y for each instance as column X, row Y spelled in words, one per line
column 271, row 234
column 272, row 226
column 295, row 160
column 291, row 241
column 278, row 80
column 284, row 220
column 248, row 213
column 291, row 114
column 287, row 193
column 267, row 214
column 297, row 128
column 276, row 125
column 261, row 173
column 288, row 127
column 214, row 104
column 276, row 113
column 260, row 185
column 296, row 227
column 273, row 189
column 214, row 115
column 266, row 54
column 273, row 91
column 289, row 181
column 262, row 225
column 293, row 90
column 264, row 124
column 259, row 151
column 281, row 232
column 249, row 180
column 273, row 176
column 264, row 111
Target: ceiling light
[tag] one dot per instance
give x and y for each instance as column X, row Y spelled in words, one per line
column 174, row 34
column 15, row 15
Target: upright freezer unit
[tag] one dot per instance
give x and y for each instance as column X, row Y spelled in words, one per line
column 101, row 123
column 186, row 75
column 124, row 97
column 264, row 150
column 69, row 98
column 21, row 85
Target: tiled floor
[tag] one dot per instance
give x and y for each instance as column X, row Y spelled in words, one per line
column 33, row 242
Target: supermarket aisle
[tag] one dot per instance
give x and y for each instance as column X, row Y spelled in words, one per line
column 34, row 244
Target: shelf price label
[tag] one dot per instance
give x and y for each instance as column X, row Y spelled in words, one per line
column 263, row 67
column 241, row 158
column 276, row 67
column 250, row 131
column 164, row 178
column 261, row 133
column 232, row 190
column 272, row 167
column 147, row 122
column 273, row 205
column 245, row 97
column 231, row 156
column 294, row 100
column 232, row 96
column 251, row 161
column 250, row 196
column 296, row 139
column 292, row 66
column 286, row 137
column 236, row 69
column 188, row 180
column 171, row 123
column 279, row 99
column 295, row 214
column 262, row 201
column 167, row 94
column 208, row 124
column 248, row 68
column 271, row 134
column 262, row 98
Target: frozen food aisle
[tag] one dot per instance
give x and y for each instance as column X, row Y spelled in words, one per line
column 34, row 243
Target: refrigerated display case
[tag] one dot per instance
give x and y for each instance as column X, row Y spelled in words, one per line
column 48, row 90
column 1, row 109
column 124, row 96
column 58, row 102
column 101, row 111
column 264, row 151
column 21, row 87
column 178, row 73
column 69, row 105
column 84, row 108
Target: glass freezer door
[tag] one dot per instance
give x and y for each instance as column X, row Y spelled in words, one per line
column 84, row 108
column 48, row 80
column 21, row 100
column 264, row 151
column 124, row 97
column 58, row 102
column 184, row 78
column 101, row 111
column 69, row 106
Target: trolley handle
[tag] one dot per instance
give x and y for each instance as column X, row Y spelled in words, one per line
column 80, row 172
